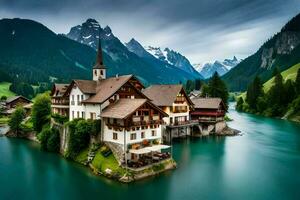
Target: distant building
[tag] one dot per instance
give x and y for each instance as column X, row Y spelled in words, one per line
column 210, row 113
column 60, row 101
column 11, row 103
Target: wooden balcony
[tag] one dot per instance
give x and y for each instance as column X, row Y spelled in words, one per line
column 183, row 123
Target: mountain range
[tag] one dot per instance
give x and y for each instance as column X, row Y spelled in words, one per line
column 132, row 53
column 222, row 67
column 281, row 51
column 32, row 53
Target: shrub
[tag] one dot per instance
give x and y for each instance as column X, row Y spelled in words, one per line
column 59, row 118
column 3, row 98
column 80, row 131
column 44, row 136
column 16, row 119
column 53, row 142
column 50, row 139
column 41, row 111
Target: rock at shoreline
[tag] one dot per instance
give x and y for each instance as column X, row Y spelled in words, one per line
column 227, row 131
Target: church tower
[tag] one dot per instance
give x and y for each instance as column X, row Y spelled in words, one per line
column 99, row 70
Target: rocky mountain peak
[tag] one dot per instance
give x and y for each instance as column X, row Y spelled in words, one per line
column 222, row 67
column 107, row 30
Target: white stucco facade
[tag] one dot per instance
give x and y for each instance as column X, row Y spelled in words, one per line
column 108, row 135
column 79, row 110
column 173, row 115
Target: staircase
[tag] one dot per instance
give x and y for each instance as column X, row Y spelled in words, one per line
column 117, row 150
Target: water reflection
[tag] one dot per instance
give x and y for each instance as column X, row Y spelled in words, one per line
column 264, row 163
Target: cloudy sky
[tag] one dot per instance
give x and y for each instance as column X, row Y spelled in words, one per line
column 202, row 30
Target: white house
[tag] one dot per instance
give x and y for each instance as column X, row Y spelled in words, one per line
column 134, row 125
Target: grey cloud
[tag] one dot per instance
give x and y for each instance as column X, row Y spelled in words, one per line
column 202, row 30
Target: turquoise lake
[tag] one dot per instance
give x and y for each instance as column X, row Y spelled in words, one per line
column 263, row 163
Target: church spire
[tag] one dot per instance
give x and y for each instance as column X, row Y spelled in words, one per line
column 99, row 59
column 99, row 70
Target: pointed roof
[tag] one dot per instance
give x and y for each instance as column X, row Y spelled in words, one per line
column 59, row 89
column 123, row 108
column 165, row 95
column 208, row 103
column 99, row 59
column 107, row 88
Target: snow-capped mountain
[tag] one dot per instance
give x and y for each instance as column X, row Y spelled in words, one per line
column 222, row 67
column 171, row 57
column 166, row 58
column 126, row 61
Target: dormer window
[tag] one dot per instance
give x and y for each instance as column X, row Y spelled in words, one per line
column 101, row 72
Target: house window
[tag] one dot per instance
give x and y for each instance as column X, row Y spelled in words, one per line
column 133, row 136
column 72, row 102
column 72, row 114
column 92, row 115
column 82, row 97
column 83, row 114
column 115, row 136
column 142, row 135
column 171, row 120
column 78, row 114
column 101, row 72
column 153, row 133
column 78, row 100
column 95, row 72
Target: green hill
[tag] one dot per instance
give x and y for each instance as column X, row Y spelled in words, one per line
column 281, row 51
column 4, row 90
column 290, row 73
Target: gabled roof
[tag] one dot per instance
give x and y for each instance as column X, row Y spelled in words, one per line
column 125, row 107
column 164, row 95
column 60, row 87
column 11, row 99
column 208, row 103
column 85, row 86
column 107, row 88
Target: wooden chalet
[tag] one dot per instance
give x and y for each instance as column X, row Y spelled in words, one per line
column 208, row 109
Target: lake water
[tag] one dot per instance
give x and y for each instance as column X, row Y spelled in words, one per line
column 264, row 163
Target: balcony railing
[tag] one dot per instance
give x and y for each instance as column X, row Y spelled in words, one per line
column 184, row 123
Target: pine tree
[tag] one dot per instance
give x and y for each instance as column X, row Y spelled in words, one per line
column 290, row 91
column 217, row 88
column 240, row 104
column 197, row 84
column 254, row 92
column 276, row 96
column 190, row 86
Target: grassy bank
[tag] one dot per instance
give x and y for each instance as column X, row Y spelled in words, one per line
column 102, row 163
column 4, row 89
